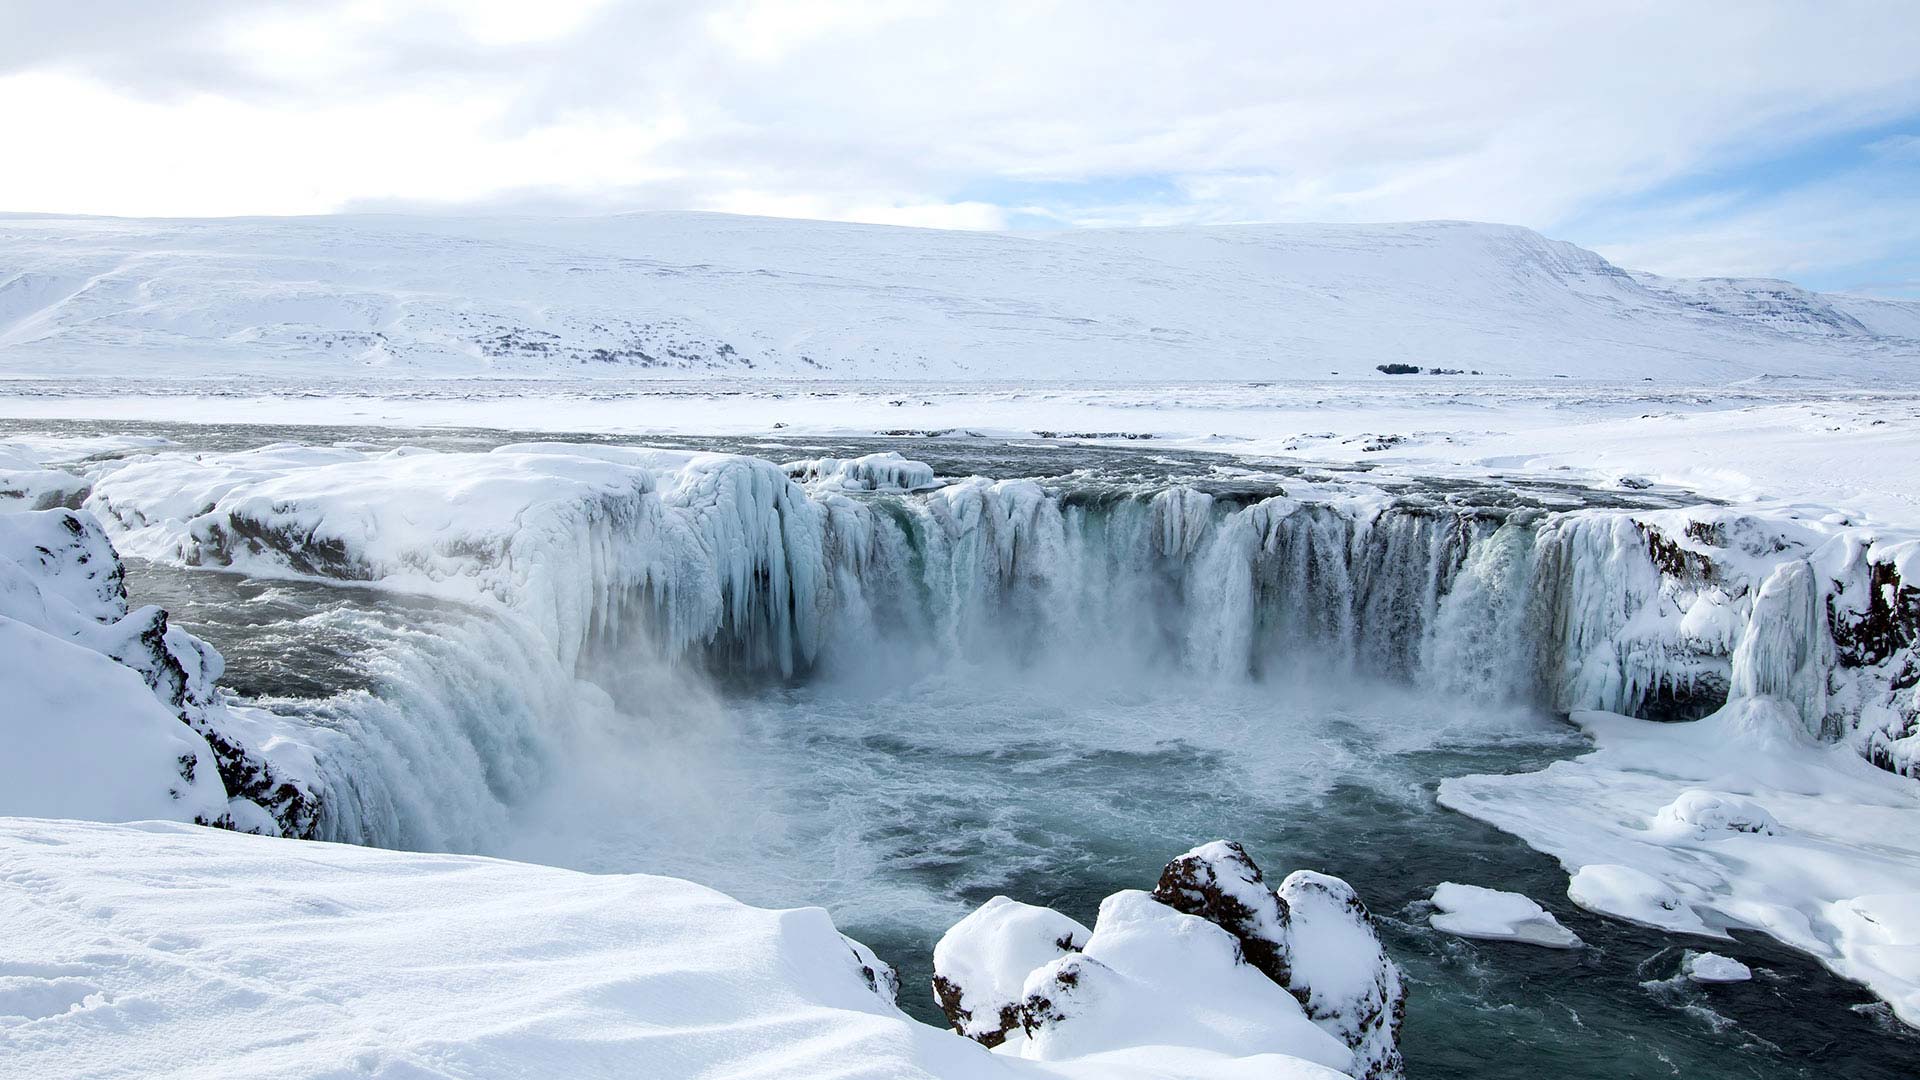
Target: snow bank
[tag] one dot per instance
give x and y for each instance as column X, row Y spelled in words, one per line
column 1494, row 915
column 1211, row 958
column 163, row 950
column 1740, row 820
column 114, row 714
column 981, row 964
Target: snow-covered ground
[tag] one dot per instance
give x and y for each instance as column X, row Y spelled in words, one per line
column 669, row 293
column 161, row 950
column 1806, row 447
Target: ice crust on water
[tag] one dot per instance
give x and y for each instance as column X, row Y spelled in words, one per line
column 1740, row 820
column 1495, row 915
column 1709, row 967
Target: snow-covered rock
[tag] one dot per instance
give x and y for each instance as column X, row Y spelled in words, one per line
column 25, row 484
column 1212, row 957
column 1709, row 967
column 1494, row 915
column 1152, row 976
column 161, row 949
column 1220, row 883
column 1699, row 813
column 83, row 737
column 1341, row 974
column 115, row 714
column 981, row 964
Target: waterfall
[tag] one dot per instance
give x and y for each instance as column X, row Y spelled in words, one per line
column 602, row 581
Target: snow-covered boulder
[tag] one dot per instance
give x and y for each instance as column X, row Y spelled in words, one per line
column 1151, row 976
column 886, row 471
column 1699, row 813
column 110, row 692
column 877, row 974
column 1471, row 911
column 82, row 737
column 980, row 966
column 1220, row 883
column 1211, row 958
column 1340, row 972
column 1311, row 936
column 1709, row 967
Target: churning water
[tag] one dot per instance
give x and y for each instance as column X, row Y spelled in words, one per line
column 898, row 787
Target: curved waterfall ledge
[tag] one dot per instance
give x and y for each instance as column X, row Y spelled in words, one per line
column 728, row 563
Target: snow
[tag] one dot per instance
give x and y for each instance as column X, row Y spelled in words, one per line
column 84, row 733
column 109, row 710
column 1709, row 967
column 1151, row 976
column 1472, row 911
column 985, row 958
column 1831, row 870
column 84, row 738
column 676, row 293
column 163, row 950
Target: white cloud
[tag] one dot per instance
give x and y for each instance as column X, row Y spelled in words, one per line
column 909, row 110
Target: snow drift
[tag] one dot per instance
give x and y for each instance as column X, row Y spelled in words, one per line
column 113, row 714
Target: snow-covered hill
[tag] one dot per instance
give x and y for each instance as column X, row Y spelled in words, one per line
column 678, row 294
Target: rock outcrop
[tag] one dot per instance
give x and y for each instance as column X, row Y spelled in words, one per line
column 60, row 576
column 1212, row 958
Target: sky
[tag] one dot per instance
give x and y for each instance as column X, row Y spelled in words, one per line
column 1696, row 138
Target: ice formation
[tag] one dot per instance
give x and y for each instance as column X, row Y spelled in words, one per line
column 1667, row 613
column 1709, row 967
column 870, row 472
column 1212, row 957
column 1472, row 911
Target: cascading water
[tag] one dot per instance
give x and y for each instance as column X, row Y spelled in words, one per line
column 901, row 698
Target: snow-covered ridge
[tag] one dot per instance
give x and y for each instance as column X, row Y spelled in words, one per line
column 665, row 294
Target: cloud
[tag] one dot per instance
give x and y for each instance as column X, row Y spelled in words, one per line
column 917, row 111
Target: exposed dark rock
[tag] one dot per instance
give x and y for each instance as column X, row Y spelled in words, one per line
column 1220, row 883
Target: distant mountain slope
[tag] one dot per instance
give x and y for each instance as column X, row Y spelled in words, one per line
column 679, row 294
